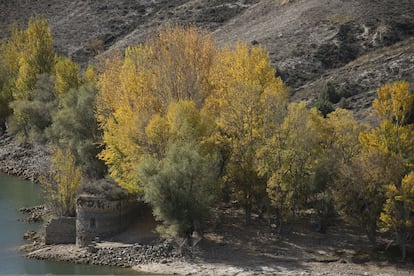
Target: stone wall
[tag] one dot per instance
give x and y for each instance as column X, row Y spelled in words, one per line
column 61, row 231
column 100, row 217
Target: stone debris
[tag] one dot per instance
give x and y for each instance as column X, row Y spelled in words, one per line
column 24, row 161
column 129, row 255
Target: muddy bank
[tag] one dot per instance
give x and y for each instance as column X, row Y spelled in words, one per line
column 26, row 162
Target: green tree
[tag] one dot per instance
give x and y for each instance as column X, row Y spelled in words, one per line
column 327, row 97
column 74, row 126
column 179, row 188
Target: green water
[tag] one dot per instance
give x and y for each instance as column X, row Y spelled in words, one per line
column 16, row 193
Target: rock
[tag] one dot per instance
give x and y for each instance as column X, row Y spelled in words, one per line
column 26, row 162
column 29, row 235
column 92, row 248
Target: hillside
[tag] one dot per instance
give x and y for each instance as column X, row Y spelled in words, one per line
column 356, row 44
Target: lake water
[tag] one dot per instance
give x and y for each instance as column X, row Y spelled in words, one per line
column 14, row 194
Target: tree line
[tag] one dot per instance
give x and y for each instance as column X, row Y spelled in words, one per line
column 182, row 124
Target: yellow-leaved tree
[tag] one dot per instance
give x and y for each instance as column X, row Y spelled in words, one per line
column 37, row 56
column 289, row 159
column 247, row 101
column 67, row 75
column 173, row 65
column 61, row 186
column 386, row 156
column 397, row 216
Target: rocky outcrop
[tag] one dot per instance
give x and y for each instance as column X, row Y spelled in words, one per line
column 27, row 162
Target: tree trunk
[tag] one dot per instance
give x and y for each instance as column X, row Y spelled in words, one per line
column 401, row 244
column 372, row 236
column 248, row 211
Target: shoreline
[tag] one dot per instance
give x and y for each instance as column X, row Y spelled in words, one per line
column 27, row 163
column 226, row 249
column 196, row 265
column 163, row 257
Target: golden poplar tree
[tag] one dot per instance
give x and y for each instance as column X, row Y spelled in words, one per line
column 61, row 186
column 397, row 216
column 247, row 99
column 67, row 75
column 173, row 65
column 386, row 156
column 37, row 56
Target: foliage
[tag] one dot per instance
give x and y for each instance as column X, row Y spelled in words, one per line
column 28, row 58
column 290, row 158
column 90, row 77
column 172, row 65
column 61, row 185
column 393, row 105
column 37, row 56
column 9, row 68
column 360, row 194
column 386, row 157
column 397, row 216
column 326, row 98
column 67, row 75
column 246, row 96
column 179, row 187
column 32, row 116
column 74, row 125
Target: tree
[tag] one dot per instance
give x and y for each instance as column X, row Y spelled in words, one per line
column 397, row 216
column 37, row 56
column 289, row 160
column 74, row 126
column 67, row 75
column 326, row 98
column 33, row 116
column 246, row 95
column 10, row 51
column 386, row 156
column 360, row 194
column 61, row 185
column 29, row 57
column 171, row 66
column 393, row 135
column 179, row 188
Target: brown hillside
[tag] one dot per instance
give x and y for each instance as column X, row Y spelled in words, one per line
column 355, row 44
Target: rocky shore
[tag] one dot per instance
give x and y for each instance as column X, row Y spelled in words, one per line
column 24, row 161
column 35, row 213
column 108, row 253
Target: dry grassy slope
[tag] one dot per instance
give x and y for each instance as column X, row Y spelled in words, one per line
column 356, row 44
column 83, row 28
